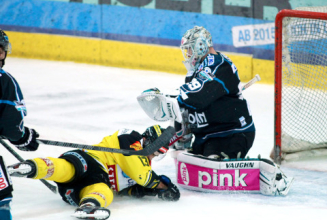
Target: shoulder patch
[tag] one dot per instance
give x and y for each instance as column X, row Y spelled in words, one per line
column 136, row 146
column 211, row 60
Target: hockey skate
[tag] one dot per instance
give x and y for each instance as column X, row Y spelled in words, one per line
column 22, row 169
column 90, row 211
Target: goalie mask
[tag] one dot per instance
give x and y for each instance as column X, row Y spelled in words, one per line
column 150, row 135
column 5, row 45
column 195, row 45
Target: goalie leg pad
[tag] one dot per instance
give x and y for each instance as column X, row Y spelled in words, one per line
column 205, row 174
column 273, row 181
column 201, row 173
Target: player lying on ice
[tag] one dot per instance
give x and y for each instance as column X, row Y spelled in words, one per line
column 211, row 108
column 82, row 176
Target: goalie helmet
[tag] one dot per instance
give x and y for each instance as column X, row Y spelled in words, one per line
column 5, row 45
column 151, row 134
column 195, row 44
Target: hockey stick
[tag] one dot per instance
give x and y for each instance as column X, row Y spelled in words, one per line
column 251, row 82
column 46, row 183
column 163, row 140
column 256, row 78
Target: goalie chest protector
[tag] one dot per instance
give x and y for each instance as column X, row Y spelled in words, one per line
column 200, row 173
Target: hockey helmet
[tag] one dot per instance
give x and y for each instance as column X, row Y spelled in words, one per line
column 150, row 135
column 194, row 45
column 4, row 42
column 5, row 45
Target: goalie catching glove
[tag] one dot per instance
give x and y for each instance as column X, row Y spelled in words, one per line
column 159, row 106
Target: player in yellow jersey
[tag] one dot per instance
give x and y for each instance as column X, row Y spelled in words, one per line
column 82, row 176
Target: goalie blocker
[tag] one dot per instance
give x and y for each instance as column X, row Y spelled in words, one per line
column 200, row 173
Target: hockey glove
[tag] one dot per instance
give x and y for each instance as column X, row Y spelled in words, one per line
column 28, row 141
column 183, row 132
column 170, row 194
column 138, row 191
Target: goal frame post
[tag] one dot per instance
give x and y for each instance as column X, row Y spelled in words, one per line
column 278, row 70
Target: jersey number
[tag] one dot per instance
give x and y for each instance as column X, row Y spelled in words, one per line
column 144, row 160
column 194, row 84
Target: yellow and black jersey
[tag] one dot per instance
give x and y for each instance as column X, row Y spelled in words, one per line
column 136, row 167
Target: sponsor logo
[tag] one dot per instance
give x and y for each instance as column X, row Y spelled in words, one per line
column 184, row 174
column 226, row 179
column 112, row 177
column 50, row 166
column 3, row 182
column 199, row 119
column 80, row 158
column 69, row 198
column 169, row 110
column 136, row 146
column 239, row 165
column 211, row 60
column 102, row 196
column 174, row 139
column 242, row 121
column 124, row 174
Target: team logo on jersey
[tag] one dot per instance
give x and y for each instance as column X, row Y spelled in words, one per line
column 20, row 106
column 199, row 119
column 211, row 60
column 136, row 146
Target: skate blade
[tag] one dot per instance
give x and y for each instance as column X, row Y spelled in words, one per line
column 99, row 215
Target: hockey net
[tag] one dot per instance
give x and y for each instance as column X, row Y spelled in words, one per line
column 300, row 83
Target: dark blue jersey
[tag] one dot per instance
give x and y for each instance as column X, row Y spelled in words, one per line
column 12, row 107
column 214, row 100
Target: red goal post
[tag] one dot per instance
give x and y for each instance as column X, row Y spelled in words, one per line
column 300, row 84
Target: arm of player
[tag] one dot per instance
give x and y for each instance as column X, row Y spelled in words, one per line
column 200, row 93
column 165, row 190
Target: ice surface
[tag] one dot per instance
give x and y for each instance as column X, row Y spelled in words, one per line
column 83, row 103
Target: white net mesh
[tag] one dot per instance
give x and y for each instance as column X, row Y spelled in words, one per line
column 304, row 83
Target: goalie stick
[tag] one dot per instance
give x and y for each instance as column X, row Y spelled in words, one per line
column 162, row 140
column 46, row 183
column 255, row 79
column 251, row 82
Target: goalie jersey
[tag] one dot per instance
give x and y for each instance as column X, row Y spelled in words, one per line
column 213, row 98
